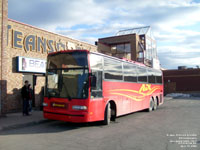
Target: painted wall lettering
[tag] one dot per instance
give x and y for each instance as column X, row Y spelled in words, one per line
column 59, row 46
column 17, row 39
column 62, row 46
column 50, row 46
column 41, row 44
column 36, row 43
column 29, row 43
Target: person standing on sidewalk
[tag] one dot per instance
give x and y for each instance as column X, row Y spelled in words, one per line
column 30, row 98
column 25, row 97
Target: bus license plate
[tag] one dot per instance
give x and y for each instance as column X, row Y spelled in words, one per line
column 59, row 105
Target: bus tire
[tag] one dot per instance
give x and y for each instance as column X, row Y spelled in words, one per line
column 158, row 102
column 155, row 104
column 107, row 115
column 151, row 105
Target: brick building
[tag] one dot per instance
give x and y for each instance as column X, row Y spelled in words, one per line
column 182, row 81
column 18, row 42
column 137, row 44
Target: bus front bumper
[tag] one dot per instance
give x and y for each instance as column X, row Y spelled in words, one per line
column 76, row 118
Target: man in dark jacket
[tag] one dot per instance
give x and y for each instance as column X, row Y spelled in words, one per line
column 25, row 97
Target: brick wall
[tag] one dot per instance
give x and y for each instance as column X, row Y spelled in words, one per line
column 0, row 50
column 3, row 52
column 14, row 80
column 183, row 81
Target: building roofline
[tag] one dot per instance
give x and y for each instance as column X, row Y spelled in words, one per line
column 192, row 69
column 31, row 26
column 134, row 28
column 117, row 36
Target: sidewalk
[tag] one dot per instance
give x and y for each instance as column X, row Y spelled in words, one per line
column 16, row 120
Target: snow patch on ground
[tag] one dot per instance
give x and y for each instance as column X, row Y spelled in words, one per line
column 174, row 95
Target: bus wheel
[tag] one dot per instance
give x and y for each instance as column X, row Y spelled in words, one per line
column 107, row 116
column 151, row 105
column 155, row 105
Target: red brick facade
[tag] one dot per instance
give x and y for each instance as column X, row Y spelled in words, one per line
column 182, row 81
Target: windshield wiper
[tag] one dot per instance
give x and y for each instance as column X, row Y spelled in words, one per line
column 61, row 85
column 68, row 96
column 48, row 95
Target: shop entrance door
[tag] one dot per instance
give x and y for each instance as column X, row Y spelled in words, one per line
column 38, row 91
column 30, row 79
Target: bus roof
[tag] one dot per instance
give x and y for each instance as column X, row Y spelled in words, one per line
column 120, row 59
column 101, row 54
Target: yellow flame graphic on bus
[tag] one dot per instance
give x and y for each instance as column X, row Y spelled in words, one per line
column 145, row 90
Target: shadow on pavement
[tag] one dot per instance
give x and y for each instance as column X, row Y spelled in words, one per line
column 50, row 127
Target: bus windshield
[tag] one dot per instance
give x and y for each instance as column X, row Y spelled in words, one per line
column 67, row 75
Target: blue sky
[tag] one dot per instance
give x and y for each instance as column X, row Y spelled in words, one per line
column 175, row 23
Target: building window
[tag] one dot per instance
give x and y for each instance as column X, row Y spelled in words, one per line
column 150, row 49
column 121, row 48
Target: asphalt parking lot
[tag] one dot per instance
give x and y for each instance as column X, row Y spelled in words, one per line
column 173, row 126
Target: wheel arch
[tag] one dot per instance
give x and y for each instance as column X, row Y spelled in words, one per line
column 113, row 107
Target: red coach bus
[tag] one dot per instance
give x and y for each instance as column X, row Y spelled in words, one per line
column 83, row 86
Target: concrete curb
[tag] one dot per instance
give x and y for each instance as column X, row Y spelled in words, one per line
column 22, row 125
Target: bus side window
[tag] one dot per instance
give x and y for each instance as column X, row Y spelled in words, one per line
column 112, row 69
column 97, row 91
column 151, row 76
column 130, row 72
column 142, row 74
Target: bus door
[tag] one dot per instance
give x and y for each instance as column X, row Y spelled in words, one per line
column 96, row 99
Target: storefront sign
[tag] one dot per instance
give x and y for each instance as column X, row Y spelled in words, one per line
column 33, row 65
column 36, row 43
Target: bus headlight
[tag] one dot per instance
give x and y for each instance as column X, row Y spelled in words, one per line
column 45, row 104
column 77, row 107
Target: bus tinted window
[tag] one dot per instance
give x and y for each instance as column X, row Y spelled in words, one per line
column 112, row 69
column 67, row 60
column 151, row 76
column 142, row 74
column 130, row 72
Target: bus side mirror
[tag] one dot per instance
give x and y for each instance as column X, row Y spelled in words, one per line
column 93, row 81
